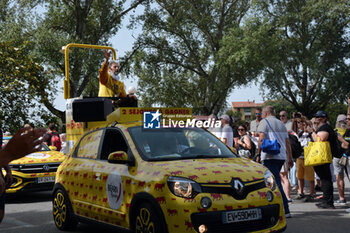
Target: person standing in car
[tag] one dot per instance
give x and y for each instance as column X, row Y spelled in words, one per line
column 110, row 84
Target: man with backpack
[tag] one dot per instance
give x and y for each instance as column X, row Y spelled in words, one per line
column 53, row 138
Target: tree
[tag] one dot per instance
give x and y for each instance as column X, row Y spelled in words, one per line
column 181, row 61
column 333, row 110
column 61, row 22
column 21, row 78
column 302, row 48
column 281, row 105
column 87, row 22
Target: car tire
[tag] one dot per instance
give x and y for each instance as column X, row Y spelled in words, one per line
column 146, row 219
column 63, row 212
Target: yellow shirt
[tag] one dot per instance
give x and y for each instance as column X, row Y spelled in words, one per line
column 108, row 86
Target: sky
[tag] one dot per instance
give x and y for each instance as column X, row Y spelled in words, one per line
column 123, row 42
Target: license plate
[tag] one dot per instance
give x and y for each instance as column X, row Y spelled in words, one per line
column 47, row 179
column 241, row 215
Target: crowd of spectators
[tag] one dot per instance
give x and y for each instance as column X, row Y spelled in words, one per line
column 294, row 134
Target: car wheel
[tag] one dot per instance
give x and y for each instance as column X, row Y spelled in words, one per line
column 146, row 220
column 63, row 212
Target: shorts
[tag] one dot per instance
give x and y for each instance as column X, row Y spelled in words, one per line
column 302, row 171
column 2, row 201
column 338, row 169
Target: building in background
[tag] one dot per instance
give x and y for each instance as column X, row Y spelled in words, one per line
column 246, row 108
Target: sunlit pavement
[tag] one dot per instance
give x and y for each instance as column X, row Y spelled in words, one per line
column 32, row 213
column 306, row 217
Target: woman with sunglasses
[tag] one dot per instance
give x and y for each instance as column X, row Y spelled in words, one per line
column 244, row 144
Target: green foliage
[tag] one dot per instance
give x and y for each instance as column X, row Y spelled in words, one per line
column 302, row 49
column 281, row 105
column 86, row 22
column 181, row 61
column 21, row 78
column 333, row 110
column 55, row 23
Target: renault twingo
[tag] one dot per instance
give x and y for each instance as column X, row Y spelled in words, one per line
column 168, row 179
column 164, row 180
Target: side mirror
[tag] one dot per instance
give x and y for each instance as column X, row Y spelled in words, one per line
column 119, row 157
column 53, row 148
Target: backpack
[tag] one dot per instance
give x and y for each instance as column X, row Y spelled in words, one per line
column 297, row 149
column 56, row 141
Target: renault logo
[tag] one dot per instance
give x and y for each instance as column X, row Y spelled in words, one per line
column 46, row 168
column 238, row 186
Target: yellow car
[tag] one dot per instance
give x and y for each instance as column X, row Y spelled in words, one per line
column 164, row 180
column 36, row 171
column 168, row 179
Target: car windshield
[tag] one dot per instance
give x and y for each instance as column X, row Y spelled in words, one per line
column 44, row 147
column 178, row 143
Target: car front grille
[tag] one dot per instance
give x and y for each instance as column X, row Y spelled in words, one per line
column 35, row 168
column 214, row 221
column 231, row 189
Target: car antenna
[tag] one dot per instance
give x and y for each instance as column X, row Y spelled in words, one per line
column 115, row 123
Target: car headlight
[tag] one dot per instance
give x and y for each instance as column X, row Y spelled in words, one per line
column 183, row 187
column 270, row 181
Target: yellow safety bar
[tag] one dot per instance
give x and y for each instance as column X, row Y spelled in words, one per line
column 66, row 58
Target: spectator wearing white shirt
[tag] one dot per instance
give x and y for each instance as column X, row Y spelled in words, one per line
column 254, row 124
column 284, row 118
column 272, row 128
column 227, row 132
column 214, row 130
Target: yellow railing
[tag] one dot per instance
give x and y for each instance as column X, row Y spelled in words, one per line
column 66, row 59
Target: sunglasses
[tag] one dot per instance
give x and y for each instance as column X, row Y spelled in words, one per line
column 348, row 119
column 299, row 122
column 241, row 129
column 257, row 113
column 282, row 115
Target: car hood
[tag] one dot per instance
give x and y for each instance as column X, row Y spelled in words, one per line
column 41, row 157
column 218, row 170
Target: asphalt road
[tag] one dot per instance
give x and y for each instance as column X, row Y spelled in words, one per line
column 32, row 213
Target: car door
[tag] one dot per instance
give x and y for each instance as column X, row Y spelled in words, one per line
column 111, row 180
column 81, row 179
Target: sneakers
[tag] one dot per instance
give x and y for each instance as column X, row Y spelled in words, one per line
column 299, row 196
column 340, row 202
column 290, row 200
column 325, row 206
column 309, row 198
column 288, row 215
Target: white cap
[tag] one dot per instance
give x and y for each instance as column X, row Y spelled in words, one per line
column 131, row 90
column 225, row 117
